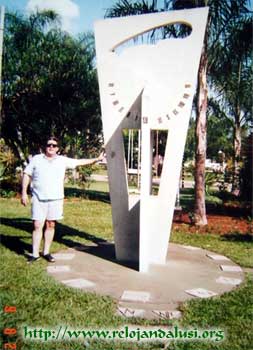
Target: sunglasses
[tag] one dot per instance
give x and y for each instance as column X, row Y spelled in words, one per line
column 52, row 145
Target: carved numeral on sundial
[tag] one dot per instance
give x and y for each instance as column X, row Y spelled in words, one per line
column 167, row 116
column 175, row 111
column 187, row 85
column 115, row 102
column 121, row 109
column 111, row 84
column 145, row 120
column 181, row 104
column 160, row 120
column 186, row 96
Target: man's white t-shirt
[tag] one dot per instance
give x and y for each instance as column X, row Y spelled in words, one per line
column 48, row 175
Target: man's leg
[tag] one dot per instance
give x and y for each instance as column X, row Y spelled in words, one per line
column 37, row 236
column 54, row 212
column 48, row 235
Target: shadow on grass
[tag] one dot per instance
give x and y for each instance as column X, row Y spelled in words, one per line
column 103, row 248
column 87, row 194
column 16, row 243
column 238, row 237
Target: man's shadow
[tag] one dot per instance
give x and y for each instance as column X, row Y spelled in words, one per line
column 102, row 249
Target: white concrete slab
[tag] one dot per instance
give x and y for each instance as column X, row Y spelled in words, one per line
column 175, row 314
column 131, row 295
column 129, row 312
column 168, row 314
column 201, row 293
column 217, row 257
column 67, row 256
column 230, row 268
column 60, row 268
column 79, row 283
column 190, row 247
column 228, row 280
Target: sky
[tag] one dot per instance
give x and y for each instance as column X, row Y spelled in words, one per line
column 76, row 15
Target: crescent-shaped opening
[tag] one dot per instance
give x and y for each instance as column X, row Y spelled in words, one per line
column 176, row 30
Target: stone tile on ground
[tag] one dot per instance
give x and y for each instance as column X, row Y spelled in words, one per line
column 217, row 257
column 175, row 314
column 79, row 283
column 228, row 280
column 230, row 268
column 59, row 268
column 147, row 314
column 201, row 293
column 62, row 256
column 131, row 295
column 129, row 312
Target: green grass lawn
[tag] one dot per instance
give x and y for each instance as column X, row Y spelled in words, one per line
column 43, row 302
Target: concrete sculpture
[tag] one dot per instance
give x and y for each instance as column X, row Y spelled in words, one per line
column 147, row 87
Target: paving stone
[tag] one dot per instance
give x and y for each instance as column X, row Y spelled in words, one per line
column 106, row 243
column 66, row 256
column 168, row 314
column 60, row 268
column 81, row 248
column 217, row 257
column 162, row 295
column 228, row 280
column 79, row 283
column 175, row 314
column 132, row 295
column 201, row 292
column 189, row 247
column 129, row 312
column 230, row 268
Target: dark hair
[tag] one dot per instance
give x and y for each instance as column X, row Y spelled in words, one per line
column 53, row 138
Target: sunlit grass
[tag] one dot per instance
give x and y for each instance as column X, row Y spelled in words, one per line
column 41, row 301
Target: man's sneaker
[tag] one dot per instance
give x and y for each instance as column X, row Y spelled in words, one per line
column 49, row 258
column 32, row 259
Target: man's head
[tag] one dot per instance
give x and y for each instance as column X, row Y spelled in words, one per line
column 51, row 147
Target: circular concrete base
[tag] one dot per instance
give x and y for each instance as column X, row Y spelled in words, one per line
column 189, row 272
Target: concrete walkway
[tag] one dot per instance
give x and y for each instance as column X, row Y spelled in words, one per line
column 104, row 178
column 188, row 273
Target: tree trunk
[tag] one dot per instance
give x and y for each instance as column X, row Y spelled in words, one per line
column 237, row 143
column 200, row 156
column 237, row 156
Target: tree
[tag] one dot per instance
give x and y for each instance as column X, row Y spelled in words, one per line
column 221, row 15
column 49, row 85
column 233, row 84
column 247, row 170
column 219, row 137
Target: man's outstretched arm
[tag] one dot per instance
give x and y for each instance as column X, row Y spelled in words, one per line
column 25, row 183
column 91, row 161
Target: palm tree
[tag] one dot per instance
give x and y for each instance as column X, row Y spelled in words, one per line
column 2, row 12
column 21, row 33
column 233, row 83
column 221, row 14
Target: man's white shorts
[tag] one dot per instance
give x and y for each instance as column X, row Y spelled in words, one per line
column 47, row 210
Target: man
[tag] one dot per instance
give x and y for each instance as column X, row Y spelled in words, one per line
column 46, row 173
